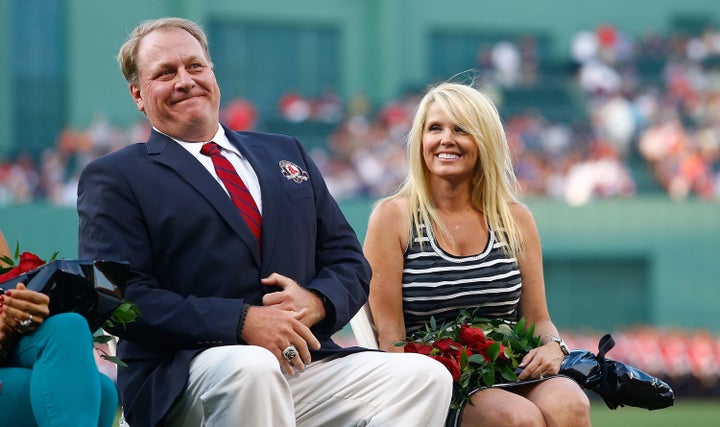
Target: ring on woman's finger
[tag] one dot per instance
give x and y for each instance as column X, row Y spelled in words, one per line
column 290, row 353
column 541, row 376
column 27, row 322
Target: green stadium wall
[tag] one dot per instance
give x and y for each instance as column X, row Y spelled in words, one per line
column 609, row 265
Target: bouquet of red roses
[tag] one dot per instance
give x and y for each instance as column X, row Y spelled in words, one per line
column 90, row 288
column 479, row 353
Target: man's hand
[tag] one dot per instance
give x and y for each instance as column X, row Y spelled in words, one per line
column 294, row 298
column 275, row 329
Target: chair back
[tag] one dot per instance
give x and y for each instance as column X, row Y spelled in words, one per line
column 363, row 329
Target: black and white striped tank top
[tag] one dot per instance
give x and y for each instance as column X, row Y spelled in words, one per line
column 436, row 283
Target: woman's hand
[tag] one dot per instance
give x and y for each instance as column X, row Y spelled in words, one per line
column 22, row 310
column 541, row 362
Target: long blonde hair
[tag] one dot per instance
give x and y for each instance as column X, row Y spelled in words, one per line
column 494, row 185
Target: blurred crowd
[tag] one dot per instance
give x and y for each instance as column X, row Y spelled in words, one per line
column 652, row 106
column 649, row 104
column 53, row 176
column 669, row 115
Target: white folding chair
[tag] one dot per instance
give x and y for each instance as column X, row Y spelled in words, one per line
column 363, row 329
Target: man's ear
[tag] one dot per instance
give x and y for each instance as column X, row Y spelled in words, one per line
column 137, row 97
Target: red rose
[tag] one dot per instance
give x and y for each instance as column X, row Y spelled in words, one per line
column 482, row 348
column 447, row 346
column 451, row 364
column 471, row 335
column 13, row 272
column 475, row 339
column 414, row 347
column 458, row 354
column 28, row 261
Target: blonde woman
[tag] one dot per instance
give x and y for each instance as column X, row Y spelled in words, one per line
column 456, row 237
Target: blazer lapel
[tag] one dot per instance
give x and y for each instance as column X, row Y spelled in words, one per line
column 167, row 152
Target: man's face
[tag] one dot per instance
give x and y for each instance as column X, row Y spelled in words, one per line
column 176, row 88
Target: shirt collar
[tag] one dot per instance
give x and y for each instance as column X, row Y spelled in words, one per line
column 220, row 139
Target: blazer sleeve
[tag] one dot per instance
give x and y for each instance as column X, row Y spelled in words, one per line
column 343, row 273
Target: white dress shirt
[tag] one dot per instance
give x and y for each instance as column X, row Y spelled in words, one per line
column 239, row 162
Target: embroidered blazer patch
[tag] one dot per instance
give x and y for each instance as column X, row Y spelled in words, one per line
column 292, row 171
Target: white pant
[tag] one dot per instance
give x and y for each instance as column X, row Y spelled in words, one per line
column 243, row 385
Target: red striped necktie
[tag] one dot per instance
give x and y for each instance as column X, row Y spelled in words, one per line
column 239, row 193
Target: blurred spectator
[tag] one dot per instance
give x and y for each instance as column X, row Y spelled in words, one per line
column 584, row 47
column 294, row 108
column 529, row 59
column 19, row 179
column 507, row 63
column 597, row 77
column 239, row 114
column 613, row 118
column 328, row 107
column 602, row 174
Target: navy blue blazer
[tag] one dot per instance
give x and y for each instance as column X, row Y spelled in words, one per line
column 195, row 262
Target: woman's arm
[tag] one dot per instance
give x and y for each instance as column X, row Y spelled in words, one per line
column 385, row 243
column 533, row 304
column 4, row 248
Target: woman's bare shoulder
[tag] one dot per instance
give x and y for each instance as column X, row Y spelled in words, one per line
column 392, row 206
column 520, row 211
column 523, row 218
column 390, row 214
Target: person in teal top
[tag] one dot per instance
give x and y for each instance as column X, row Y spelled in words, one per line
column 48, row 373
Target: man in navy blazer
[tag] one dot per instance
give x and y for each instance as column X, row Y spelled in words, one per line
column 234, row 330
